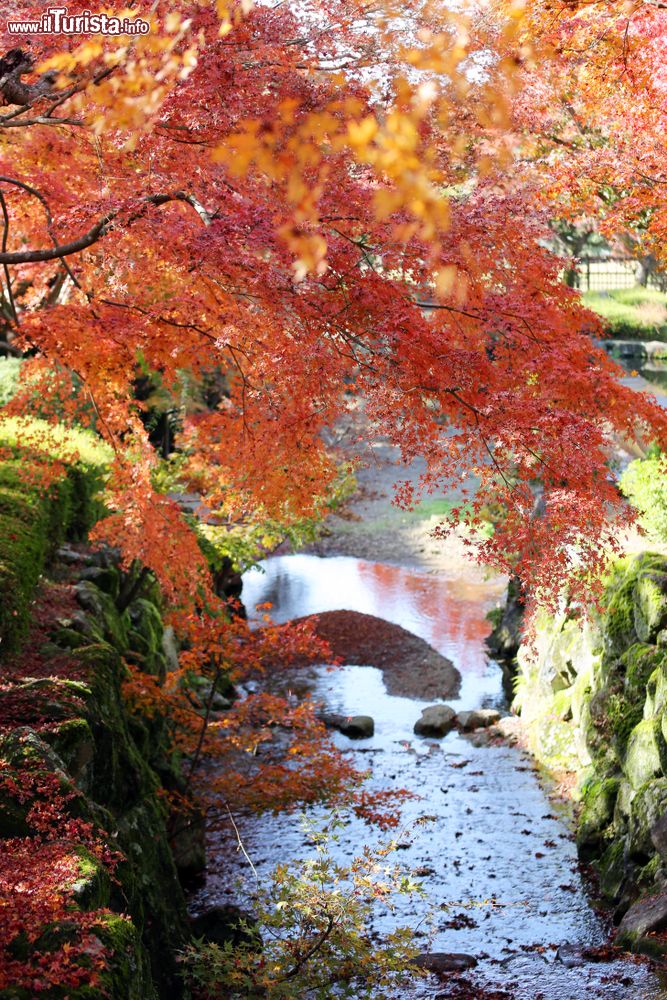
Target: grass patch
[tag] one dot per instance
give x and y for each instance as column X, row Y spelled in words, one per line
column 631, row 313
column 434, row 507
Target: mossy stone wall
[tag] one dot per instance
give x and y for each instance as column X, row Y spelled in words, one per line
column 120, row 764
column 594, row 699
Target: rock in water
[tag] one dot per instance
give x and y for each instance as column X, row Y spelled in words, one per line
column 479, row 718
column 443, row 963
column 645, row 916
column 355, row 727
column 436, row 720
column 570, row 955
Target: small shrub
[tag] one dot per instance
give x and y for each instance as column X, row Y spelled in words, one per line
column 313, row 933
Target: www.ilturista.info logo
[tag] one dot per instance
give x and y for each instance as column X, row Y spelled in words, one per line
column 58, row 21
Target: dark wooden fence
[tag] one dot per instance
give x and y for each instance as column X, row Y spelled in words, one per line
column 603, row 274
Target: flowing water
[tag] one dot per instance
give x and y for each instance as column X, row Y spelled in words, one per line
column 497, row 861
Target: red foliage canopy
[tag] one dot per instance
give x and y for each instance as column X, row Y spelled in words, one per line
column 329, row 203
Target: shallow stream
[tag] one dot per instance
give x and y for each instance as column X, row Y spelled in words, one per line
column 498, row 860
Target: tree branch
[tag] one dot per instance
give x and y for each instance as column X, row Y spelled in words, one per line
column 100, row 229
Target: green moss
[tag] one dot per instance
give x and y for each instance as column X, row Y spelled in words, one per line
column 92, row 890
column 581, row 694
column 138, row 642
column 623, row 716
column 611, row 869
column 146, row 620
column 638, row 663
column 650, row 874
column 73, row 741
column 149, row 883
column 69, row 638
column 119, row 772
column 126, row 974
column 145, row 636
column 552, row 741
column 145, row 884
column 598, row 801
column 650, row 600
column 107, row 578
column 648, row 806
column 561, row 704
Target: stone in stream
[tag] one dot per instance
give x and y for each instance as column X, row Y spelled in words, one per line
column 479, row 718
column 355, row 727
column 647, row 915
column 436, row 720
column 443, row 963
column 510, row 728
column 570, row 955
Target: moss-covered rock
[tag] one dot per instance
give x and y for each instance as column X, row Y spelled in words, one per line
column 70, row 638
column 73, row 741
column 598, row 802
column 33, row 519
column 128, row 972
column 648, row 806
column 92, row 890
column 150, row 884
column 109, row 767
column 650, row 605
column 618, row 623
column 645, row 753
column 611, row 869
column 107, row 578
column 101, row 606
column 96, row 751
column 147, row 621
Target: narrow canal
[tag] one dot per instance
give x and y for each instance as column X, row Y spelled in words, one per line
column 497, row 858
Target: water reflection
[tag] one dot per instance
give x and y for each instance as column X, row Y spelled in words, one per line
column 448, row 613
column 644, row 375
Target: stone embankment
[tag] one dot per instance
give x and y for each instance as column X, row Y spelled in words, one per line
column 593, row 700
column 91, row 859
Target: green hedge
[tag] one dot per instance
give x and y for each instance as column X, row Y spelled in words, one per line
column 35, row 519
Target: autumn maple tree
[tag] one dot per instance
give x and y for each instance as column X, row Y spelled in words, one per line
column 325, row 202
column 329, row 205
